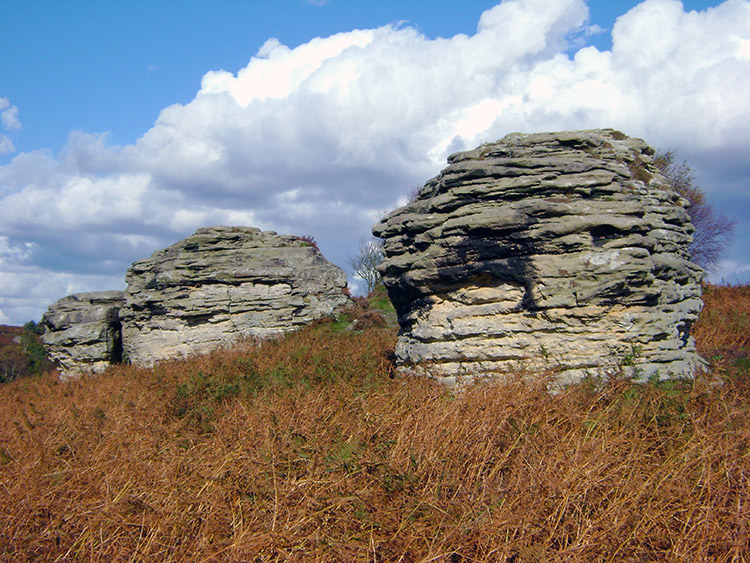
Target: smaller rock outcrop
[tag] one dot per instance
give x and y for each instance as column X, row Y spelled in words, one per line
column 204, row 292
column 563, row 250
column 82, row 332
column 223, row 283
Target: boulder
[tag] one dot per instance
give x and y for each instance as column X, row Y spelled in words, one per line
column 82, row 332
column 566, row 251
column 221, row 284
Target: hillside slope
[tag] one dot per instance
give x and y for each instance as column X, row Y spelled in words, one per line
column 304, row 448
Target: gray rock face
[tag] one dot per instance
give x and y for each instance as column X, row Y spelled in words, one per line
column 554, row 250
column 82, row 332
column 223, row 283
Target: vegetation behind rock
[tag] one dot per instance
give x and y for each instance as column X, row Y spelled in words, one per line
column 21, row 352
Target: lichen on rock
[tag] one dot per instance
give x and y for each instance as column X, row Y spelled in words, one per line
column 566, row 251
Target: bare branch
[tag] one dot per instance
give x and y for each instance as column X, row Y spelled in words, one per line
column 365, row 262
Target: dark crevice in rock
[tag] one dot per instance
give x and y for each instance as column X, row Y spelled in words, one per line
column 116, row 353
column 601, row 234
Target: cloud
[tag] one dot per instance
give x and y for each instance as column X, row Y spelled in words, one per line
column 10, row 118
column 733, row 271
column 9, row 115
column 320, row 138
column 25, row 285
column 6, row 145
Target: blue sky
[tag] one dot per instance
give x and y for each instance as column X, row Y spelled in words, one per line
column 120, row 135
column 112, row 66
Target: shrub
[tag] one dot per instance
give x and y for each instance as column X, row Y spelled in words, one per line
column 309, row 241
column 362, row 316
column 22, row 352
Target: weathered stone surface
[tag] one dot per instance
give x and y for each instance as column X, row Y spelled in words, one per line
column 562, row 250
column 82, row 332
column 223, row 283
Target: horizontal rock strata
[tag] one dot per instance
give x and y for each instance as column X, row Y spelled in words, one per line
column 556, row 250
column 223, row 283
column 82, row 332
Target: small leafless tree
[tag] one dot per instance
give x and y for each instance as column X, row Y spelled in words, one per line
column 713, row 231
column 365, row 262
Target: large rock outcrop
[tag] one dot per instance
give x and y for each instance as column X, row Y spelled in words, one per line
column 223, row 283
column 82, row 332
column 561, row 250
column 204, row 292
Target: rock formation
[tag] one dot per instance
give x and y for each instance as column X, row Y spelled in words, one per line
column 82, row 332
column 556, row 250
column 218, row 285
column 223, row 283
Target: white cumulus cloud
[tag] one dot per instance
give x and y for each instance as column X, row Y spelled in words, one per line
column 320, row 138
column 10, row 118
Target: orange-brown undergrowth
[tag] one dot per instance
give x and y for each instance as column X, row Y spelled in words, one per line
column 724, row 325
column 304, row 449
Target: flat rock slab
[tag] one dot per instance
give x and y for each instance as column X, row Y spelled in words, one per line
column 565, row 251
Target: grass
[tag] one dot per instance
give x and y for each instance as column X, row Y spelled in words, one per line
column 724, row 326
column 305, row 449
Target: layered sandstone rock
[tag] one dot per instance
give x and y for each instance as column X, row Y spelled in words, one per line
column 206, row 291
column 223, row 283
column 560, row 250
column 82, row 332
